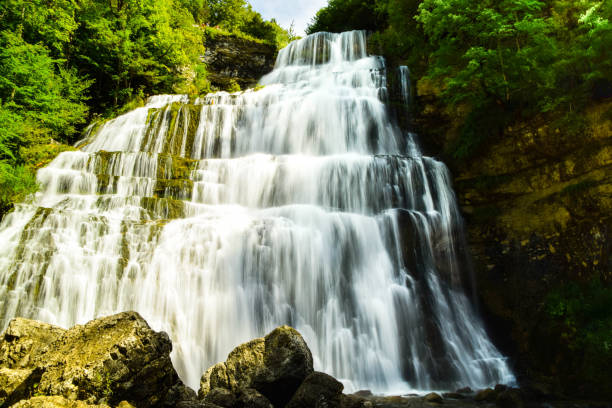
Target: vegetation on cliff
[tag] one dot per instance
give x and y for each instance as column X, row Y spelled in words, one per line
column 491, row 61
column 63, row 62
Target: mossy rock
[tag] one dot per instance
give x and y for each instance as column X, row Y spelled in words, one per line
column 275, row 366
column 24, row 340
column 54, row 402
column 16, row 384
column 106, row 361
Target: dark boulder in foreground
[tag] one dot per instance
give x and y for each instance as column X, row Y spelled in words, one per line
column 318, row 390
column 275, row 366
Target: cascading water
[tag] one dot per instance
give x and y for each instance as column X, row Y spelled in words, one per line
column 404, row 78
column 221, row 218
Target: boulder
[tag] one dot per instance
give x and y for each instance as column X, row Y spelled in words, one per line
column 243, row 398
column 275, row 366
column 15, row 384
column 488, row 394
column 111, row 359
column 251, row 398
column 108, row 360
column 318, row 390
column 24, row 340
column 221, row 397
column 54, row 402
column 509, row 398
column 453, row 395
column 354, row 401
column 195, row 404
column 433, row 398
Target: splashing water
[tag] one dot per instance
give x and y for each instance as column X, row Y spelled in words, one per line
column 221, row 218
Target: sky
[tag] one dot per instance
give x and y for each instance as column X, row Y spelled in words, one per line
column 286, row 11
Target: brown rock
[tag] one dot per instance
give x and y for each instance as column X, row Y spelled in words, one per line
column 487, row 394
column 275, row 366
column 318, row 390
column 433, row 398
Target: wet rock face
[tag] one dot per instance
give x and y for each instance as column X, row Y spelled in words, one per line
column 230, row 58
column 538, row 209
column 107, row 360
column 24, row 340
column 275, row 366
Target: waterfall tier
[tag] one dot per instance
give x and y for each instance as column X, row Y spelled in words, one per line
column 223, row 217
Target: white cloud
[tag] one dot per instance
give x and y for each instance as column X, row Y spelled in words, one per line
column 286, row 11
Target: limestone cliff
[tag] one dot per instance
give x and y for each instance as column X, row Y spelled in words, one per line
column 231, row 59
column 537, row 200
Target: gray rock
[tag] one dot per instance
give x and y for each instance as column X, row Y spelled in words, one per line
column 275, row 366
column 318, row 390
column 229, row 58
column 251, row 398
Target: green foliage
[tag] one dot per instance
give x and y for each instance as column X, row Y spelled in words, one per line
column 233, row 86
column 133, row 48
column 40, row 100
column 16, row 184
column 507, row 59
column 37, row 87
column 237, row 17
column 584, row 314
column 345, row 15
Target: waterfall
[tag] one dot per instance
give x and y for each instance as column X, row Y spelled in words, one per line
column 404, row 78
column 222, row 217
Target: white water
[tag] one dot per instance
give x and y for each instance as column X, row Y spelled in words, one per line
column 299, row 204
column 404, row 77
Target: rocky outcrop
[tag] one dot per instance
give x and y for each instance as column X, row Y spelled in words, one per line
column 24, row 341
column 537, row 199
column 57, row 402
column 274, row 366
column 317, row 390
column 16, row 384
column 119, row 362
column 233, row 60
column 105, row 361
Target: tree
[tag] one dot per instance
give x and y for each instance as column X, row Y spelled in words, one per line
column 346, row 15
